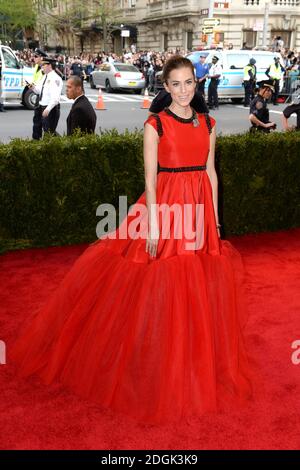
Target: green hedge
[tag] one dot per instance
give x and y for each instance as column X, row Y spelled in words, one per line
column 49, row 190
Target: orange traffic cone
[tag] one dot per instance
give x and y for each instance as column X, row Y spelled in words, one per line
column 100, row 102
column 146, row 101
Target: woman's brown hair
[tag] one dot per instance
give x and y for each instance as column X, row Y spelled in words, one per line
column 174, row 63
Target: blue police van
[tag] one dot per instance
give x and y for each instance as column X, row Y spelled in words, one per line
column 14, row 77
column 233, row 63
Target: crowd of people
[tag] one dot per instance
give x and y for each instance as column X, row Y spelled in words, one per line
column 149, row 62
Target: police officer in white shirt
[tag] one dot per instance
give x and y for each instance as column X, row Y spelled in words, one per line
column 49, row 90
column 215, row 74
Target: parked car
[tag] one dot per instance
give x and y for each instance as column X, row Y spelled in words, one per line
column 117, row 76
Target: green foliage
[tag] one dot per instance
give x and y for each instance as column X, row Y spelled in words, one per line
column 49, row 190
column 261, row 181
column 17, row 13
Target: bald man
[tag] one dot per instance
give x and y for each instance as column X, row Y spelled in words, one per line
column 82, row 115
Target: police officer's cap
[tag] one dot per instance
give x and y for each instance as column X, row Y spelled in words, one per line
column 252, row 61
column 276, row 58
column 266, row 84
column 48, row 60
column 215, row 57
column 39, row 53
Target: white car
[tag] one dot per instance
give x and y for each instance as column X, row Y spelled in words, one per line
column 117, row 76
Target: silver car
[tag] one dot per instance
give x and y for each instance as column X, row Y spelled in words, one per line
column 117, row 76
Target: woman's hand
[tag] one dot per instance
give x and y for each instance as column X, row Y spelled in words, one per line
column 152, row 242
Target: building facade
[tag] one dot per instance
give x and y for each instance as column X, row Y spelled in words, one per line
column 162, row 25
column 171, row 24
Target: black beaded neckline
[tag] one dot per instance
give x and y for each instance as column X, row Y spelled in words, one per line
column 180, row 119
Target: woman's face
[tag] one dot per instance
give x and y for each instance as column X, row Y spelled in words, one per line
column 181, row 85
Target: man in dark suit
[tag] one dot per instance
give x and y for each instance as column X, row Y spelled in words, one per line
column 82, row 115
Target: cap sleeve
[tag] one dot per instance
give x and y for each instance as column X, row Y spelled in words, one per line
column 210, row 122
column 151, row 120
column 154, row 121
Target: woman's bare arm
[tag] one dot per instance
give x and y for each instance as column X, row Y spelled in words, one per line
column 151, row 140
column 211, row 171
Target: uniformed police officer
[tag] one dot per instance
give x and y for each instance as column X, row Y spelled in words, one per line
column 38, row 76
column 215, row 74
column 202, row 72
column 39, row 55
column 259, row 113
column 274, row 72
column 249, row 81
column 49, row 90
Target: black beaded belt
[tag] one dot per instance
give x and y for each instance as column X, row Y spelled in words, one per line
column 181, row 168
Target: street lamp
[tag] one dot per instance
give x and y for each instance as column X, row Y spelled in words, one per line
column 266, row 19
column 210, row 15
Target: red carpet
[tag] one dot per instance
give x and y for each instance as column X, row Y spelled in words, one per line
column 33, row 416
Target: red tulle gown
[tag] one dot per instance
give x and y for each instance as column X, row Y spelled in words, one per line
column 159, row 339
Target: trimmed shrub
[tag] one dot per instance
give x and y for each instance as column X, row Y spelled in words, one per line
column 50, row 189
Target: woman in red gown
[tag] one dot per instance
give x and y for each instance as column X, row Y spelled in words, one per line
column 151, row 325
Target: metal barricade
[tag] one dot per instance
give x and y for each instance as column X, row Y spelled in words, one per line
column 291, row 87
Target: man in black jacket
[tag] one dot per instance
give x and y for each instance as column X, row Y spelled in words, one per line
column 82, row 115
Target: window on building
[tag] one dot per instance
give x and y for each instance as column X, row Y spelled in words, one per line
column 287, row 3
column 189, row 40
column 165, row 41
column 132, row 3
column 251, row 2
column 219, row 37
column 249, row 38
column 285, row 36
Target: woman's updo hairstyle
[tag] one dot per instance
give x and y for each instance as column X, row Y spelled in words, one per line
column 174, row 63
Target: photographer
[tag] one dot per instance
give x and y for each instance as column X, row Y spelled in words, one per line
column 259, row 113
